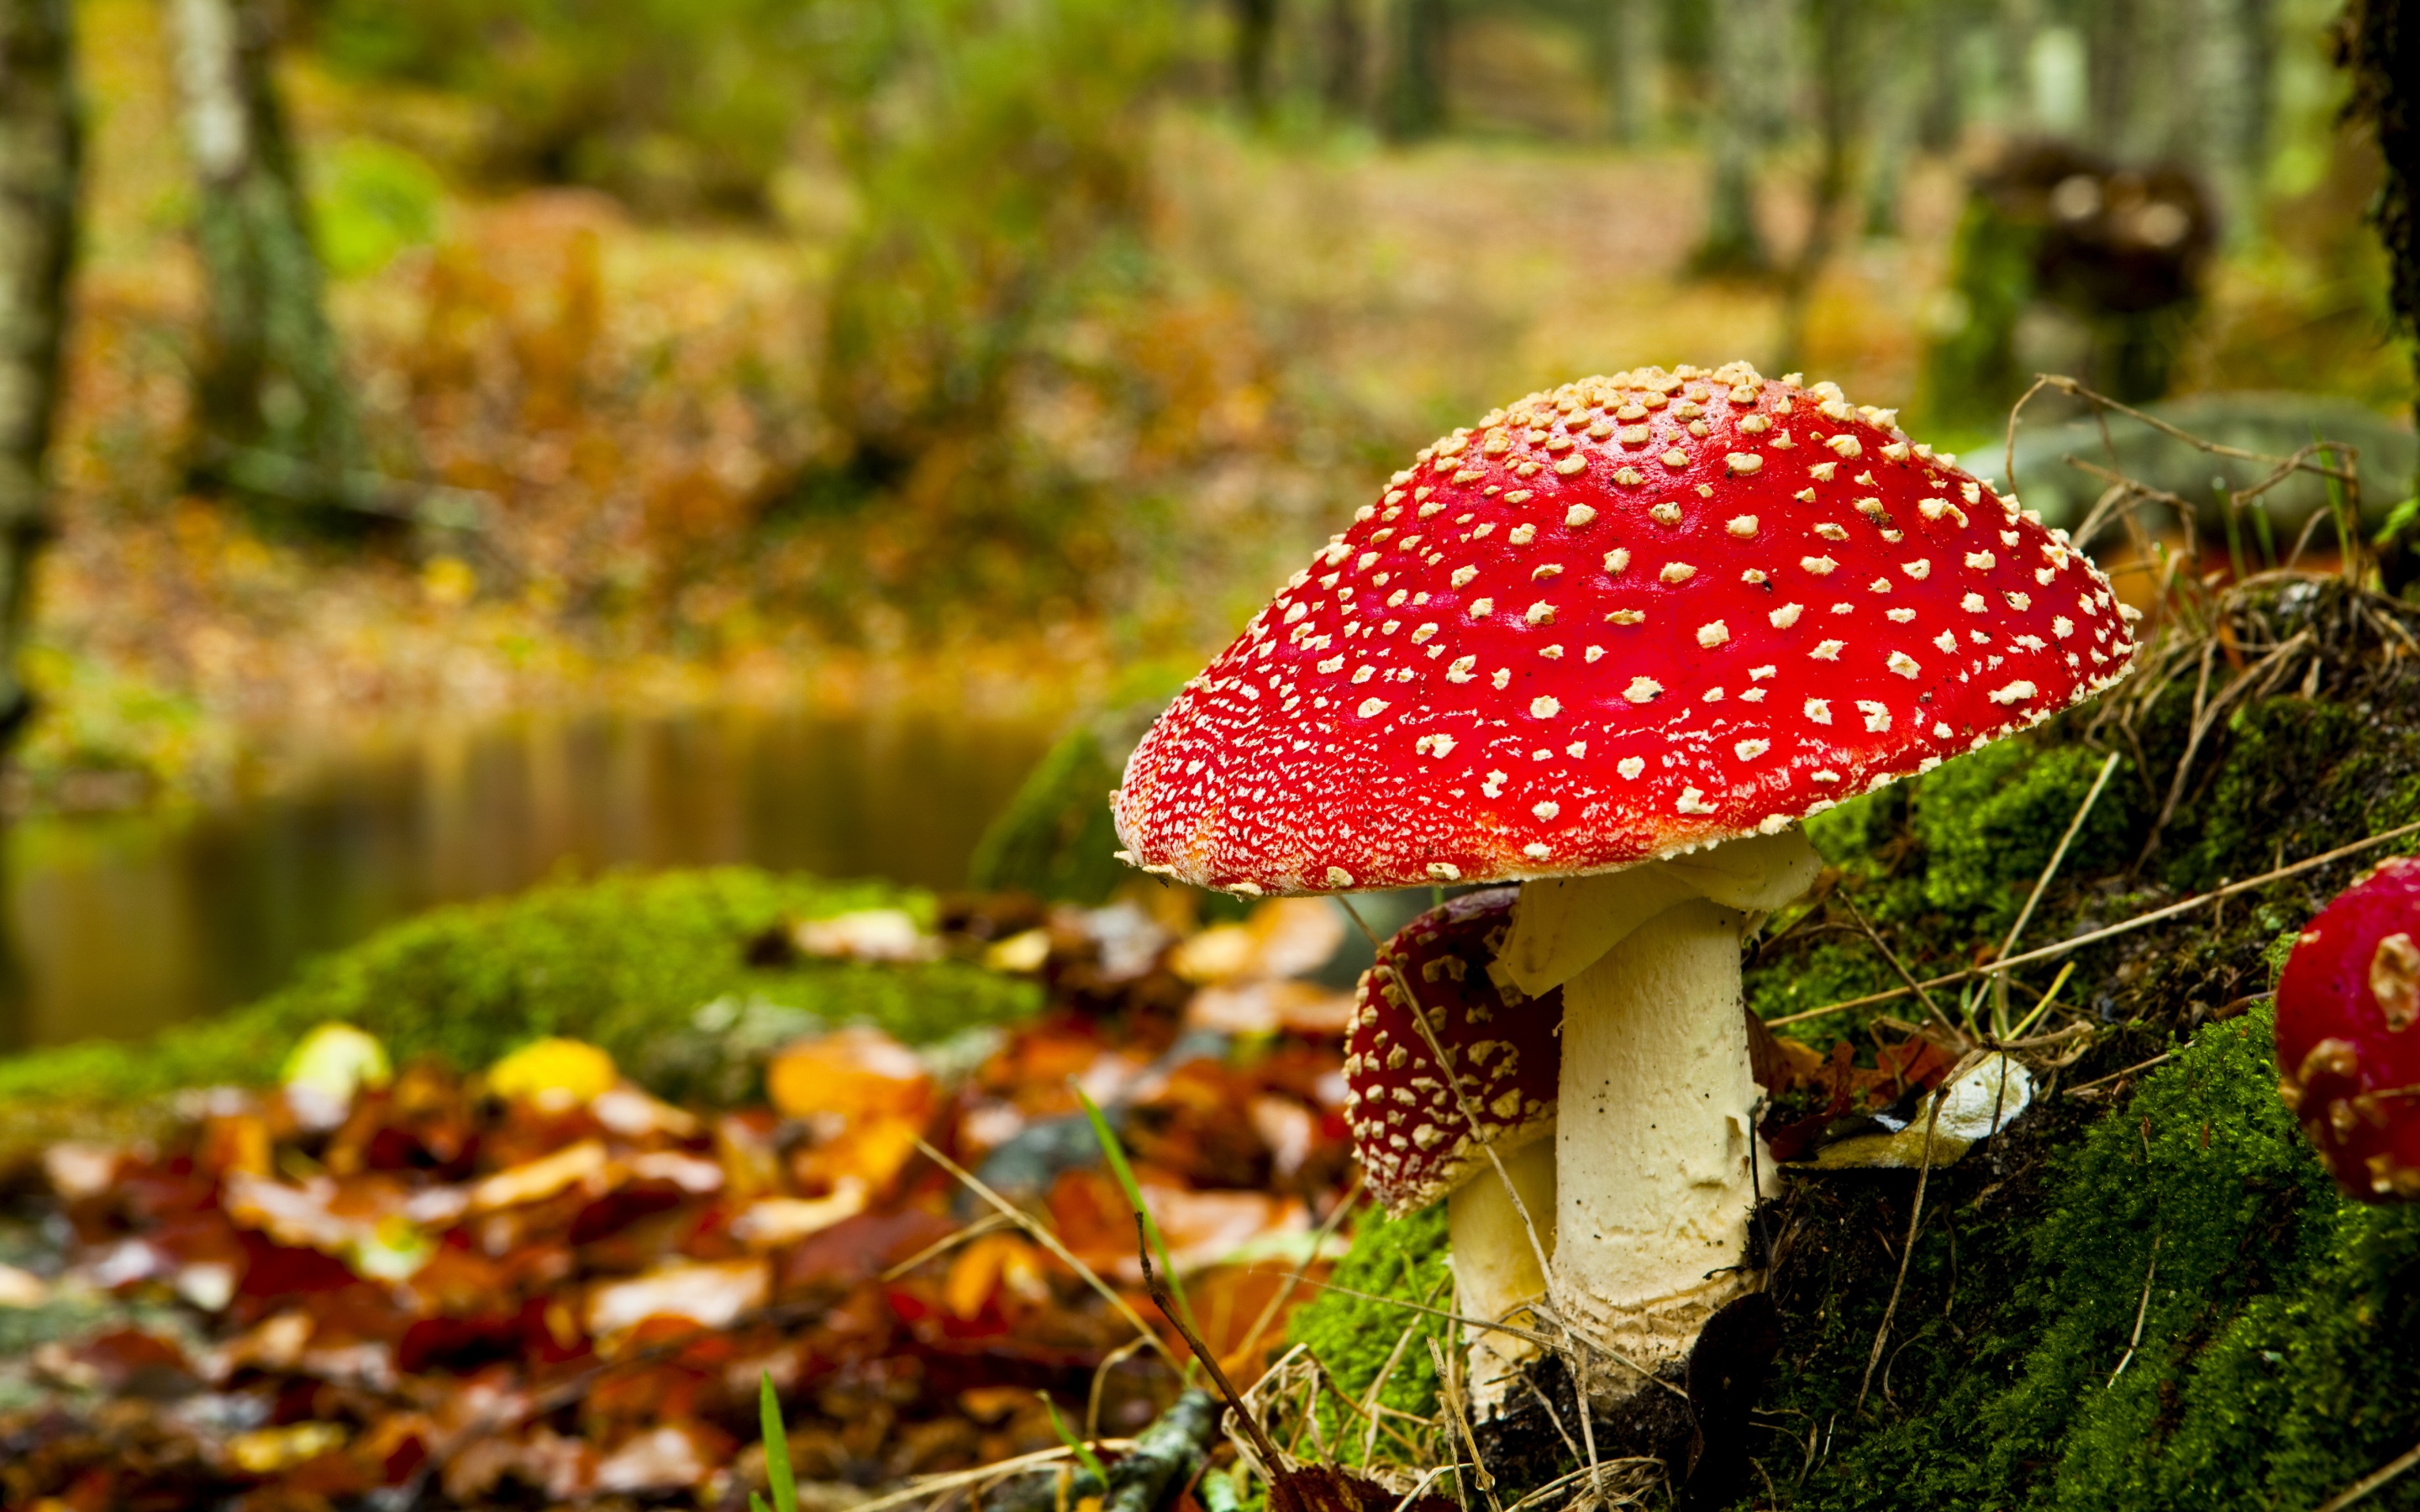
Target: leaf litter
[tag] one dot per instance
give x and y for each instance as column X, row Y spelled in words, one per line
column 538, row 1283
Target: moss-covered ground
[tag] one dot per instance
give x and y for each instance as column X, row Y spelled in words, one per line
column 2278, row 1356
column 656, row 969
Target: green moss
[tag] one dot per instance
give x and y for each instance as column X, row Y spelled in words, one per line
column 626, row 962
column 1352, row 1336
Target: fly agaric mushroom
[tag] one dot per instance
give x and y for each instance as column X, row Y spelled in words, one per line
column 1618, row 623
column 2348, row 1056
column 1408, row 1126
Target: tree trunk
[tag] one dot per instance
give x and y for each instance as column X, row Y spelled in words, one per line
column 1838, row 31
column 1750, row 66
column 40, row 151
column 2380, row 45
column 1633, row 68
column 1342, row 60
column 1256, row 30
column 276, row 421
column 2228, row 135
column 1416, row 105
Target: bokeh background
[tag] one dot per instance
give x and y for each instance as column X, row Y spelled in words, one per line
column 561, row 435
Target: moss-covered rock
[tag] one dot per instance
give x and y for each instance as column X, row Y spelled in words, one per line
column 626, row 962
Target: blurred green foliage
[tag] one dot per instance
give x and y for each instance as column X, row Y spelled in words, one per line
column 369, row 201
column 1001, row 154
column 676, row 107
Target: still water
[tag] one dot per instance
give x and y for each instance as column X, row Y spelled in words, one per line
column 119, row 924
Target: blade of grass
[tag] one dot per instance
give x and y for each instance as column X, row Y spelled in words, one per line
column 1076, row 1447
column 1119, row 1167
column 778, row 1478
column 1050, row 1241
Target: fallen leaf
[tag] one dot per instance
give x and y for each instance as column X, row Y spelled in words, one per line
column 713, row 1296
column 555, row 1074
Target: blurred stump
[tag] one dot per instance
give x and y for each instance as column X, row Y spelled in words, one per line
column 2055, row 231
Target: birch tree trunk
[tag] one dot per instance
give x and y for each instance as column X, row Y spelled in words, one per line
column 40, row 152
column 276, row 421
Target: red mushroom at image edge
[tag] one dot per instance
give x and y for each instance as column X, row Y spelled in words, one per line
column 1414, row 1141
column 2347, row 1051
column 1616, row 640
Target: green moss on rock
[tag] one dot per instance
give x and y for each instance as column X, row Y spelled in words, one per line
column 625, row 962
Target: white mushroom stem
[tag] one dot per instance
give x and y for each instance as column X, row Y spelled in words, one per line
column 1497, row 1274
column 1654, row 1189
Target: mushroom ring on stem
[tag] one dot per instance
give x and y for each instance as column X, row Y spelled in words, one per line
column 1414, row 1135
column 1611, row 624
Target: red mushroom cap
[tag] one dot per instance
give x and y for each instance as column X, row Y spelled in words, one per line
column 2348, row 1047
column 1630, row 617
column 1413, row 1139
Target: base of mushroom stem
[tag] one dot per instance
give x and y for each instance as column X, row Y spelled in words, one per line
column 1693, row 1414
column 1654, row 1333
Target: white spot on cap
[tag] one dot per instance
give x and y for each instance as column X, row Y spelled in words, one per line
column 1494, row 786
column 1743, row 463
column 1616, row 559
column 1482, row 607
column 1820, row 566
column 1463, row 575
column 1544, row 706
column 1592, row 653
column 1424, row 632
column 1437, row 745
column 1714, row 634
column 1748, row 750
column 1578, row 516
column 1339, row 877
column 1693, row 801
column 1642, row 689
column 1545, row 809
column 1577, row 750
column 1877, row 715
column 1980, row 561
column 1819, row 710
column 1677, row 572
column 1460, row 670
column 1522, row 534
column 1537, row 851
column 1742, row 526
column 1972, row 603
column 1630, row 767
column 1444, row 871
column 1947, row 641
column 2016, row 692
column 2061, row 626
column 1786, row 616
column 1827, row 650
column 1371, row 708
column 1757, row 674
column 1540, row 613
column 1903, row 664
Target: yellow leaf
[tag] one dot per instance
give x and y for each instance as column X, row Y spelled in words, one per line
column 553, row 1074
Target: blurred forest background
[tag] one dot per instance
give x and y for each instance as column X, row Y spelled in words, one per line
column 476, row 354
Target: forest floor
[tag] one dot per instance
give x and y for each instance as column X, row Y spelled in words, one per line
column 623, row 401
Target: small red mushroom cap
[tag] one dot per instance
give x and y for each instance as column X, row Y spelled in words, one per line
column 2348, row 1034
column 1621, row 620
column 1415, row 1143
